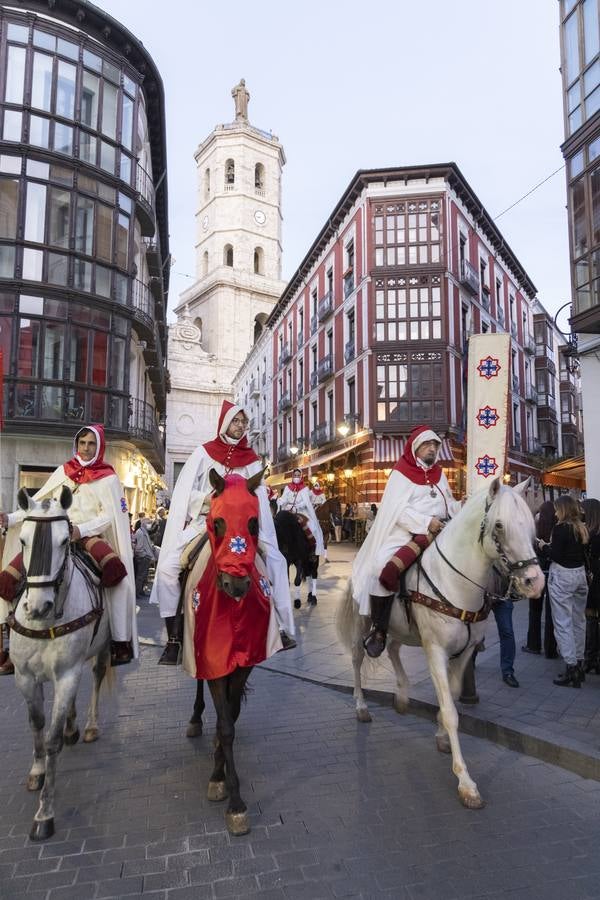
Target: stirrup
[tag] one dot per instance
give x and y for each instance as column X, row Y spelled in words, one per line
column 374, row 643
column 171, row 655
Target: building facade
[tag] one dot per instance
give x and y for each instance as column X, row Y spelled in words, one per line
column 238, row 270
column 580, row 68
column 370, row 336
column 84, row 245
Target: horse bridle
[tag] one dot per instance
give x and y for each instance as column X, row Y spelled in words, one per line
column 57, row 581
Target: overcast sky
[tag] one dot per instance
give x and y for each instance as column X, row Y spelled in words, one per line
column 351, row 85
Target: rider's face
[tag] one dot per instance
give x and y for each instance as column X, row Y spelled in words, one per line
column 427, row 452
column 86, row 447
column 237, row 426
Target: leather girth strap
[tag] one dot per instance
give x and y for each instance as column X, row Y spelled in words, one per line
column 56, row 631
column 448, row 609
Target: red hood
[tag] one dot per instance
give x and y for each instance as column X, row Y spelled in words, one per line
column 408, row 465
column 81, row 473
column 232, row 456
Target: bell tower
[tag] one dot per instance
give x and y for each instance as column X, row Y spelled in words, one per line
column 238, row 274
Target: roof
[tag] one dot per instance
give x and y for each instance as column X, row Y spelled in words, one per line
column 570, row 473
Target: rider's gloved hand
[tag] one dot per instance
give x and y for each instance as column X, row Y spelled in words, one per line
column 390, row 577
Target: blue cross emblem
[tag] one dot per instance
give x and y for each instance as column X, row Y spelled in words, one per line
column 487, row 416
column 237, row 545
column 265, row 586
column 488, row 367
column 195, row 599
column 486, row 465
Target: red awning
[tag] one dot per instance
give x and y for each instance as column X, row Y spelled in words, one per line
column 390, row 449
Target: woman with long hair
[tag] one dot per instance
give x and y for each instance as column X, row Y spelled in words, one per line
column 591, row 511
column 568, row 589
column 544, row 523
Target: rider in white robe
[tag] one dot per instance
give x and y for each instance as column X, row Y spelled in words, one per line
column 297, row 498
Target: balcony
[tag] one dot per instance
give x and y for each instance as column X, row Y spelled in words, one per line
column 529, row 345
column 314, row 379
column 325, row 307
column 547, row 400
column 153, row 256
column 144, row 430
column 325, row 368
column 285, row 402
column 283, row 452
column 144, row 201
column 285, row 355
column 515, row 384
column 348, row 284
column 534, row 446
column 314, row 324
column 143, row 310
column 469, row 277
column 349, row 351
column 254, row 390
column 485, row 297
column 300, row 391
column 568, row 418
column 531, row 394
column 513, row 329
column 322, row 434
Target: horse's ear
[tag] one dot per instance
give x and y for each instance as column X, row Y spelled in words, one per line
column 66, row 497
column 254, row 482
column 217, row 482
column 494, row 488
column 24, row 499
column 522, row 486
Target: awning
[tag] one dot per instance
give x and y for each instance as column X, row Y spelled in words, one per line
column 570, row 473
column 390, row 449
column 315, row 461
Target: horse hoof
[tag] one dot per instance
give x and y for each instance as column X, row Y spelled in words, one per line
column 297, row 603
column 36, row 782
column 216, row 791
column 90, row 735
column 363, row 715
column 443, row 745
column 194, row 729
column 237, row 823
column 311, row 600
column 71, row 738
column 471, row 801
column 400, row 704
column 41, row 831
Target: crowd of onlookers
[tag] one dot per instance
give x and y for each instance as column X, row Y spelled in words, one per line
column 146, row 539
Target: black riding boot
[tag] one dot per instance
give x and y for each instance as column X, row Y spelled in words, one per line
column 571, row 677
column 172, row 653
column 381, row 610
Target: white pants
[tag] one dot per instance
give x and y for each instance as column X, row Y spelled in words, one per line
column 568, row 590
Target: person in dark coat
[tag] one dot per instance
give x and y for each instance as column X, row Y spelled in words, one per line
column 591, row 509
column 545, row 521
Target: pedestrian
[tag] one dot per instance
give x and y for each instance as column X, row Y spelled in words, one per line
column 157, row 529
column 591, row 509
column 545, row 521
column 568, row 588
column 143, row 557
column 503, row 614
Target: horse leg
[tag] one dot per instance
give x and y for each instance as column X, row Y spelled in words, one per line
column 71, row 734
column 448, row 719
column 101, row 666
column 33, row 693
column 358, row 655
column 312, row 595
column 401, row 693
column 297, row 584
column 194, row 728
column 65, row 691
column 227, row 693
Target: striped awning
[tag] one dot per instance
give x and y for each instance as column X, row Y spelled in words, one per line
column 390, row 449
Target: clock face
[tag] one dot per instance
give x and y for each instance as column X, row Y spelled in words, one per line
column 259, row 217
column 205, row 223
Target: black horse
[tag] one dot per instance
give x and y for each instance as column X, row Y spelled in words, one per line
column 295, row 547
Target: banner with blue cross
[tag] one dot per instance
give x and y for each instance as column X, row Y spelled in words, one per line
column 487, row 408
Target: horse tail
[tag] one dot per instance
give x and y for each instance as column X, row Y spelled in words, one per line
column 346, row 618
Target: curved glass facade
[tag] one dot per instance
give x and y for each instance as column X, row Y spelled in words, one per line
column 80, row 258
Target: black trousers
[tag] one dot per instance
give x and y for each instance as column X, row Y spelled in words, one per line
column 534, row 632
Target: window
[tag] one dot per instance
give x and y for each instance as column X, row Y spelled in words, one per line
column 229, row 173
column 407, row 233
column 9, row 204
column 410, row 393
column 15, row 75
column 259, row 177
column 406, row 313
column 228, row 255
column 259, row 261
column 352, row 396
column 206, row 184
column 205, row 263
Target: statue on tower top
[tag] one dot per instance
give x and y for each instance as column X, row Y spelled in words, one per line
column 240, row 98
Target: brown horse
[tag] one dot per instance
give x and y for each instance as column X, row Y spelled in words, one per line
column 324, row 513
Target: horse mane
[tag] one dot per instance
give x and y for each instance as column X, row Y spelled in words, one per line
column 507, row 506
column 40, row 562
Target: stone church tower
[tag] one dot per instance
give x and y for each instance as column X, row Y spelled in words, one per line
column 238, row 276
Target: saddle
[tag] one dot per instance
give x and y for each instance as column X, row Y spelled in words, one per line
column 93, row 570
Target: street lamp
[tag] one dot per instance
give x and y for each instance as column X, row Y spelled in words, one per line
column 294, row 450
column 572, row 358
column 344, row 429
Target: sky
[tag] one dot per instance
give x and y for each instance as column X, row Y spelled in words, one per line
column 352, row 85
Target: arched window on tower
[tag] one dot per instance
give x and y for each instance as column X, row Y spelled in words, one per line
column 205, row 263
column 259, row 261
column 259, row 177
column 228, row 255
column 206, row 184
column 259, row 324
column 229, row 173
column 198, row 324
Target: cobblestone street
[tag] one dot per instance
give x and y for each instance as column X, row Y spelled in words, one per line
column 338, row 809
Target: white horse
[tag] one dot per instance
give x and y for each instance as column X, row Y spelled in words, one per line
column 494, row 527
column 59, row 623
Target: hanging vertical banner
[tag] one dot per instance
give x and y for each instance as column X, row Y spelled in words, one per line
column 1, row 391
column 487, row 408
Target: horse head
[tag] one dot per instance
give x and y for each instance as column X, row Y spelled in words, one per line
column 506, row 535
column 232, row 525
column 45, row 539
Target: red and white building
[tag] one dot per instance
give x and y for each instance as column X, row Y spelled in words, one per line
column 369, row 338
